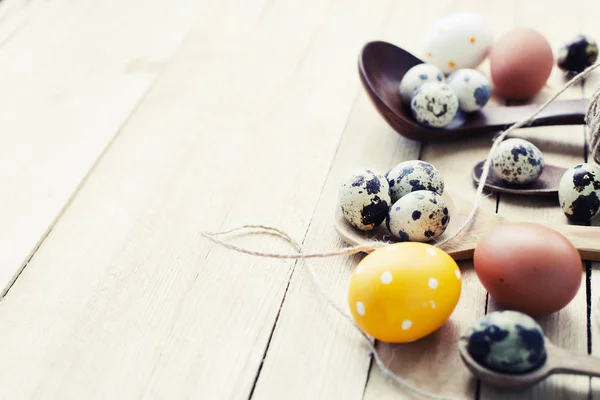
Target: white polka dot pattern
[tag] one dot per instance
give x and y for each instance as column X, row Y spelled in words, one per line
column 433, row 283
column 386, row 278
column 360, row 308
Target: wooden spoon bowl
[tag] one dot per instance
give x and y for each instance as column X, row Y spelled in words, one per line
column 546, row 184
column 559, row 361
column 381, row 68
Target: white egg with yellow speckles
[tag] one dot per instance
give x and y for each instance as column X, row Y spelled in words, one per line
column 460, row 40
column 418, row 217
column 416, row 77
column 364, row 199
column 471, row 87
column 434, row 104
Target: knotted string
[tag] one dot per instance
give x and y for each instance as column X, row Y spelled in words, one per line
column 385, row 371
column 592, row 119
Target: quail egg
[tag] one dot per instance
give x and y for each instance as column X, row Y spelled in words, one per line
column 418, row 217
column 434, row 104
column 578, row 54
column 518, row 161
column 413, row 175
column 364, row 199
column 417, row 76
column 471, row 87
column 507, row 342
column 579, row 192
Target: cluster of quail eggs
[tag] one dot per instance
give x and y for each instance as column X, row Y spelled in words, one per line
column 519, row 162
column 408, row 198
column 436, row 100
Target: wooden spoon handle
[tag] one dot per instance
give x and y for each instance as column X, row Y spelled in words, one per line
column 568, row 363
column 585, row 238
column 565, row 112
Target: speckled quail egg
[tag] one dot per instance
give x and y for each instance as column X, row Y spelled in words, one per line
column 434, row 104
column 413, row 175
column 579, row 192
column 577, row 54
column 471, row 87
column 418, row 217
column 507, row 342
column 416, row 77
column 518, row 161
column 364, row 199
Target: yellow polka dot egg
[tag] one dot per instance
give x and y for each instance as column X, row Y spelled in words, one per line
column 403, row 292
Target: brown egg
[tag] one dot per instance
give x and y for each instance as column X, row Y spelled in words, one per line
column 520, row 63
column 528, row 267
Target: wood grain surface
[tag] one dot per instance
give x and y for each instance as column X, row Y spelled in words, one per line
column 71, row 74
column 130, row 126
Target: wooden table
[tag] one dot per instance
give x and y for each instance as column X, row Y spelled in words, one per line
column 129, row 126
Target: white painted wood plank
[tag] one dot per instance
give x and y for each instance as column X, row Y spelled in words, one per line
column 315, row 353
column 70, row 75
column 15, row 15
column 124, row 298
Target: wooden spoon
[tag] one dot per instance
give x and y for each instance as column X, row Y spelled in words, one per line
column 586, row 239
column 545, row 185
column 381, row 68
column 559, row 361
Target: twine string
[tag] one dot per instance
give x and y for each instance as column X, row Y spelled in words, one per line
column 385, row 370
column 592, row 119
column 213, row 237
